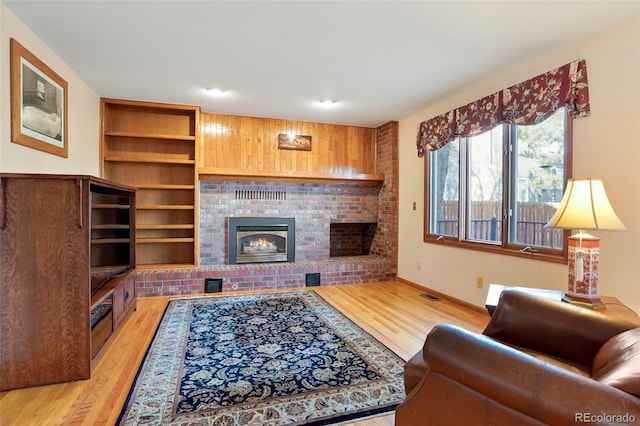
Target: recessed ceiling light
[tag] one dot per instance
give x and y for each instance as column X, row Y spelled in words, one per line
column 327, row 103
column 216, row 92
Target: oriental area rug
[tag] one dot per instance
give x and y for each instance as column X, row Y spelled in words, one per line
column 285, row 358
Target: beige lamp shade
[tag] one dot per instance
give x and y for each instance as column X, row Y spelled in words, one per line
column 585, row 206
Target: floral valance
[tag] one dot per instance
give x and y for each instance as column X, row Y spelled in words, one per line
column 529, row 102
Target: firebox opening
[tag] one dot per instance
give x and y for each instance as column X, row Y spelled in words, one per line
column 351, row 239
column 261, row 240
column 255, row 242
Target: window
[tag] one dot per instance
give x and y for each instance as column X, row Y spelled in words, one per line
column 496, row 190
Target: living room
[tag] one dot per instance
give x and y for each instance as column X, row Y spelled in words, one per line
column 613, row 65
column 612, row 80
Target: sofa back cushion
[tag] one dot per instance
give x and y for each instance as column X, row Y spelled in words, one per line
column 559, row 329
column 617, row 363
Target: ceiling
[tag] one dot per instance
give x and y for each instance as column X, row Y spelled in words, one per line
column 380, row 61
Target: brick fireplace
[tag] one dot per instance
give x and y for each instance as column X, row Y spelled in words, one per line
column 332, row 220
column 314, row 206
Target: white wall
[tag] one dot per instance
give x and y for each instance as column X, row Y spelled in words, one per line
column 83, row 115
column 606, row 146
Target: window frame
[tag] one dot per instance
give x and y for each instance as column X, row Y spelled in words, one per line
column 508, row 178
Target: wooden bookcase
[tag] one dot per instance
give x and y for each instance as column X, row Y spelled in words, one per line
column 67, row 281
column 153, row 148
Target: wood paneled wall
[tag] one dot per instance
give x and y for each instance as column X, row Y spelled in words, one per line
column 251, row 143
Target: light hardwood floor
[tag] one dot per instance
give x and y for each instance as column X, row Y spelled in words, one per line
column 393, row 312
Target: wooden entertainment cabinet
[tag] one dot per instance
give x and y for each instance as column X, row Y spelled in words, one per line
column 67, row 281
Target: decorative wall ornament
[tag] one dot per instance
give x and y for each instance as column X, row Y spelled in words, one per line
column 295, row 142
column 38, row 103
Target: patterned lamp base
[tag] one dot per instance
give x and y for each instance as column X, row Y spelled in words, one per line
column 584, row 258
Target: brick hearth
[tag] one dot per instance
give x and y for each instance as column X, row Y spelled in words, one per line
column 334, row 271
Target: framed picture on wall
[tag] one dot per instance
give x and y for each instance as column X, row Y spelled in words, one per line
column 38, row 103
column 295, row 142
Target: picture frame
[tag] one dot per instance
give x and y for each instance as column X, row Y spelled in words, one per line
column 294, row 142
column 39, row 103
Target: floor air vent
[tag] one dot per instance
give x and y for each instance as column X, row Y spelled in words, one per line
column 212, row 285
column 430, row 297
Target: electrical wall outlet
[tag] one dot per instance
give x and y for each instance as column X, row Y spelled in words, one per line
column 479, row 282
column 418, row 266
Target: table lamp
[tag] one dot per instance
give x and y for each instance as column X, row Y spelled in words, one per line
column 584, row 206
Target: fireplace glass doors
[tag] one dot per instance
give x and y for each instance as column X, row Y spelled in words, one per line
column 261, row 239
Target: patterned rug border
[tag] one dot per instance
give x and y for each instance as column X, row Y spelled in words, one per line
column 335, row 421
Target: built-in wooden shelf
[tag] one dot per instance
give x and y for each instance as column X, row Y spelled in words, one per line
column 163, row 240
column 170, row 226
column 154, row 148
column 159, row 160
column 151, row 136
column 165, row 207
column 161, row 186
column 266, row 175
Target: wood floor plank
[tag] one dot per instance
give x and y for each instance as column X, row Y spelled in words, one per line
column 392, row 312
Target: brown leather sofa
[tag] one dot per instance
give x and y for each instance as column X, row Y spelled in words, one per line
column 537, row 362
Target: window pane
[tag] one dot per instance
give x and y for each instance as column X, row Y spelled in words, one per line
column 540, row 174
column 444, row 179
column 485, row 186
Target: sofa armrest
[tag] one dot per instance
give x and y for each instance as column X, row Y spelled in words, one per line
column 555, row 328
column 519, row 381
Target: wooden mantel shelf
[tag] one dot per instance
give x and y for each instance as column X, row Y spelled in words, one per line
column 277, row 176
